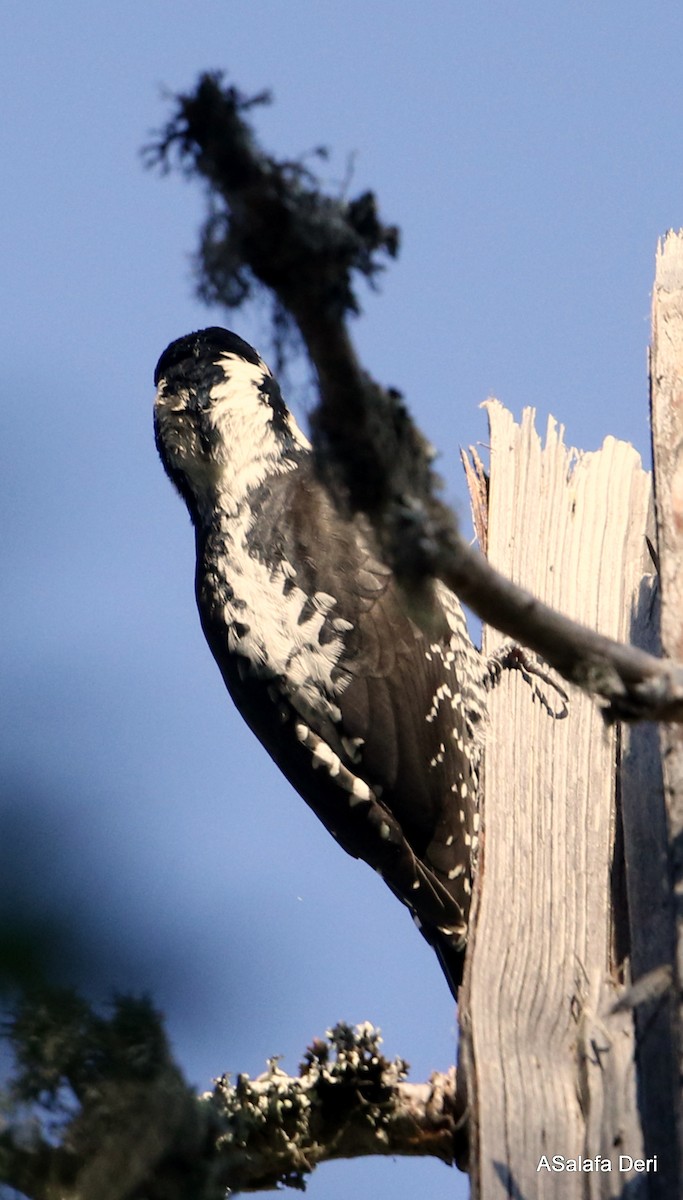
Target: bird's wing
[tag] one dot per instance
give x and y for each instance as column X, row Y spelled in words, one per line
column 383, row 748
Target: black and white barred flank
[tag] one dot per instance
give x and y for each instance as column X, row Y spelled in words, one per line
column 376, row 726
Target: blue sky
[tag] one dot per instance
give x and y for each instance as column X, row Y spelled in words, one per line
column 532, row 155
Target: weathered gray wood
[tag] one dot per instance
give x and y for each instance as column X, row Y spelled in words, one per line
column 549, row 1063
column 651, row 925
column 666, row 392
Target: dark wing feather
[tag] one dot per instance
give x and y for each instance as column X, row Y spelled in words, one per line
column 394, row 779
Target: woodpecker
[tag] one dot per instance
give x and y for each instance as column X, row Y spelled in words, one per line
column 376, row 724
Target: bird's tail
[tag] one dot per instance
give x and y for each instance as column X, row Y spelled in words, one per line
column 452, row 962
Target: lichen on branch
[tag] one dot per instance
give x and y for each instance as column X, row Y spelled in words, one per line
column 97, row 1107
column 270, row 222
column 347, row 1101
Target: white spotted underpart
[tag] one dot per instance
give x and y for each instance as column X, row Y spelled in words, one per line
column 280, row 643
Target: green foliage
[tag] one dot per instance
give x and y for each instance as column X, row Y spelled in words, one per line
column 97, row 1107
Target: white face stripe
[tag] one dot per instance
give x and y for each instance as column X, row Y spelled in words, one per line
column 226, row 447
column 236, row 392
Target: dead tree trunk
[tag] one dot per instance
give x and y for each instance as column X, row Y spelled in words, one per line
column 548, row 1034
column 666, row 394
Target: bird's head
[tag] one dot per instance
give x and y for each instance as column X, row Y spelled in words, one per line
column 220, row 422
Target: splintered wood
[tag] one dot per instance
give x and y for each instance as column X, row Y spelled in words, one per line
column 666, row 394
column 548, row 1060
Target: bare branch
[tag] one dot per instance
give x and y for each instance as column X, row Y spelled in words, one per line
column 279, row 228
column 632, row 684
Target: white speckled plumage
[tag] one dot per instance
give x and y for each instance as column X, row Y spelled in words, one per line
column 378, row 729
